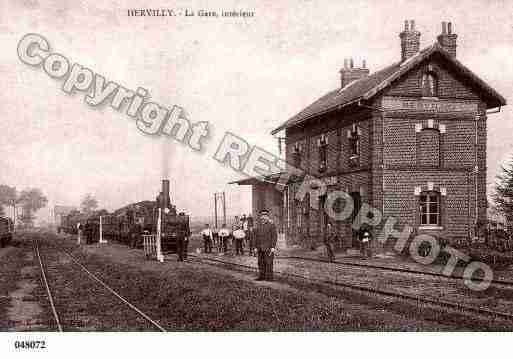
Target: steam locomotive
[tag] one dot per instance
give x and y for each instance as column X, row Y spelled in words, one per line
column 128, row 223
column 6, row 230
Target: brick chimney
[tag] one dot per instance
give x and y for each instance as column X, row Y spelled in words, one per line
column 349, row 73
column 410, row 40
column 447, row 39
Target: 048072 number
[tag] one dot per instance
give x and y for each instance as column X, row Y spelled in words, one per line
column 30, row 344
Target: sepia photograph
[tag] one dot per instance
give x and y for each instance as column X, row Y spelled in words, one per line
column 287, row 178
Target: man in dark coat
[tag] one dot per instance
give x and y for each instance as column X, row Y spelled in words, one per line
column 88, row 232
column 206, row 233
column 135, row 235
column 182, row 240
column 180, row 244
column 365, row 238
column 266, row 237
column 329, row 241
column 250, row 236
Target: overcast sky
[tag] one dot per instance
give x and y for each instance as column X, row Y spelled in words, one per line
column 244, row 76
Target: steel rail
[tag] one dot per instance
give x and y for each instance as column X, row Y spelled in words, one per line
column 395, row 269
column 130, row 305
column 439, row 303
column 48, row 291
column 112, row 291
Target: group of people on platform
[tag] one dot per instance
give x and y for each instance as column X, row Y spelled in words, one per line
column 259, row 238
column 330, row 238
column 363, row 234
column 238, row 238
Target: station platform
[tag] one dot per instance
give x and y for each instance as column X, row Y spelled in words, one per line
column 318, row 257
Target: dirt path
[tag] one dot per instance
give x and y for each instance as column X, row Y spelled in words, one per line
column 24, row 309
column 20, row 309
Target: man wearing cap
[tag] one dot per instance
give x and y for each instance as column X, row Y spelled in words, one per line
column 238, row 237
column 207, row 238
column 366, row 238
column 215, row 239
column 329, row 240
column 224, row 233
column 250, row 237
column 266, row 237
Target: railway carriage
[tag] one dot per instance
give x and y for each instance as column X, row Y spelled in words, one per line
column 128, row 223
column 6, row 231
column 92, row 223
column 70, row 222
column 110, row 226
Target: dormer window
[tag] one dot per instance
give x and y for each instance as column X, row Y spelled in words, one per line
column 429, row 85
column 296, row 155
column 322, row 143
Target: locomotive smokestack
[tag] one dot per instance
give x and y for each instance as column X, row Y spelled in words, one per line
column 166, row 201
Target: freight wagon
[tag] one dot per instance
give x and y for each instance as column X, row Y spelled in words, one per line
column 129, row 223
column 6, row 231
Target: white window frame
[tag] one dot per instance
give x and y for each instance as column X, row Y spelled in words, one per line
column 427, row 213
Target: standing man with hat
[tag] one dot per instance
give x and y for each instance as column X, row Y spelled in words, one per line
column 329, row 240
column 224, row 233
column 238, row 237
column 266, row 237
column 79, row 233
column 366, row 237
column 207, row 238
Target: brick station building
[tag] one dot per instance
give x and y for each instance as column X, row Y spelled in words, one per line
column 409, row 140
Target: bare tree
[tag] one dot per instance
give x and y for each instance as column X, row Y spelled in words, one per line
column 8, row 197
column 504, row 193
column 88, row 203
column 31, row 200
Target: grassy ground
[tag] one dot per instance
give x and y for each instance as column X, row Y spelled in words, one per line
column 195, row 297
column 10, row 269
column 12, row 261
column 188, row 296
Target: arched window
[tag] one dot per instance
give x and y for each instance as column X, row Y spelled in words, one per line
column 430, row 208
column 429, row 85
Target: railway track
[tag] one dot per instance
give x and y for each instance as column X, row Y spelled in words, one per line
column 398, row 270
column 447, row 305
column 47, row 287
column 51, row 293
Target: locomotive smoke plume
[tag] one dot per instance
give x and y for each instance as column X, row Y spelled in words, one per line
column 166, row 158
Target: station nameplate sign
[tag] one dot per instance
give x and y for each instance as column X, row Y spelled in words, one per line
column 426, row 105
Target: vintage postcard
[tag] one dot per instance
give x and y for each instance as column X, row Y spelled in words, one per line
column 213, row 171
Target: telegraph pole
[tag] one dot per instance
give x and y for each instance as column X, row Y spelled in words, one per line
column 224, row 208
column 221, row 197
column 160, row 256
column 215, row 209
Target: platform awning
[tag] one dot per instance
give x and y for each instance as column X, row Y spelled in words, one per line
column 270, row 179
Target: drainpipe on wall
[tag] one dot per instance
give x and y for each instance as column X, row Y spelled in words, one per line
column 477, row 172
column 383, row 163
